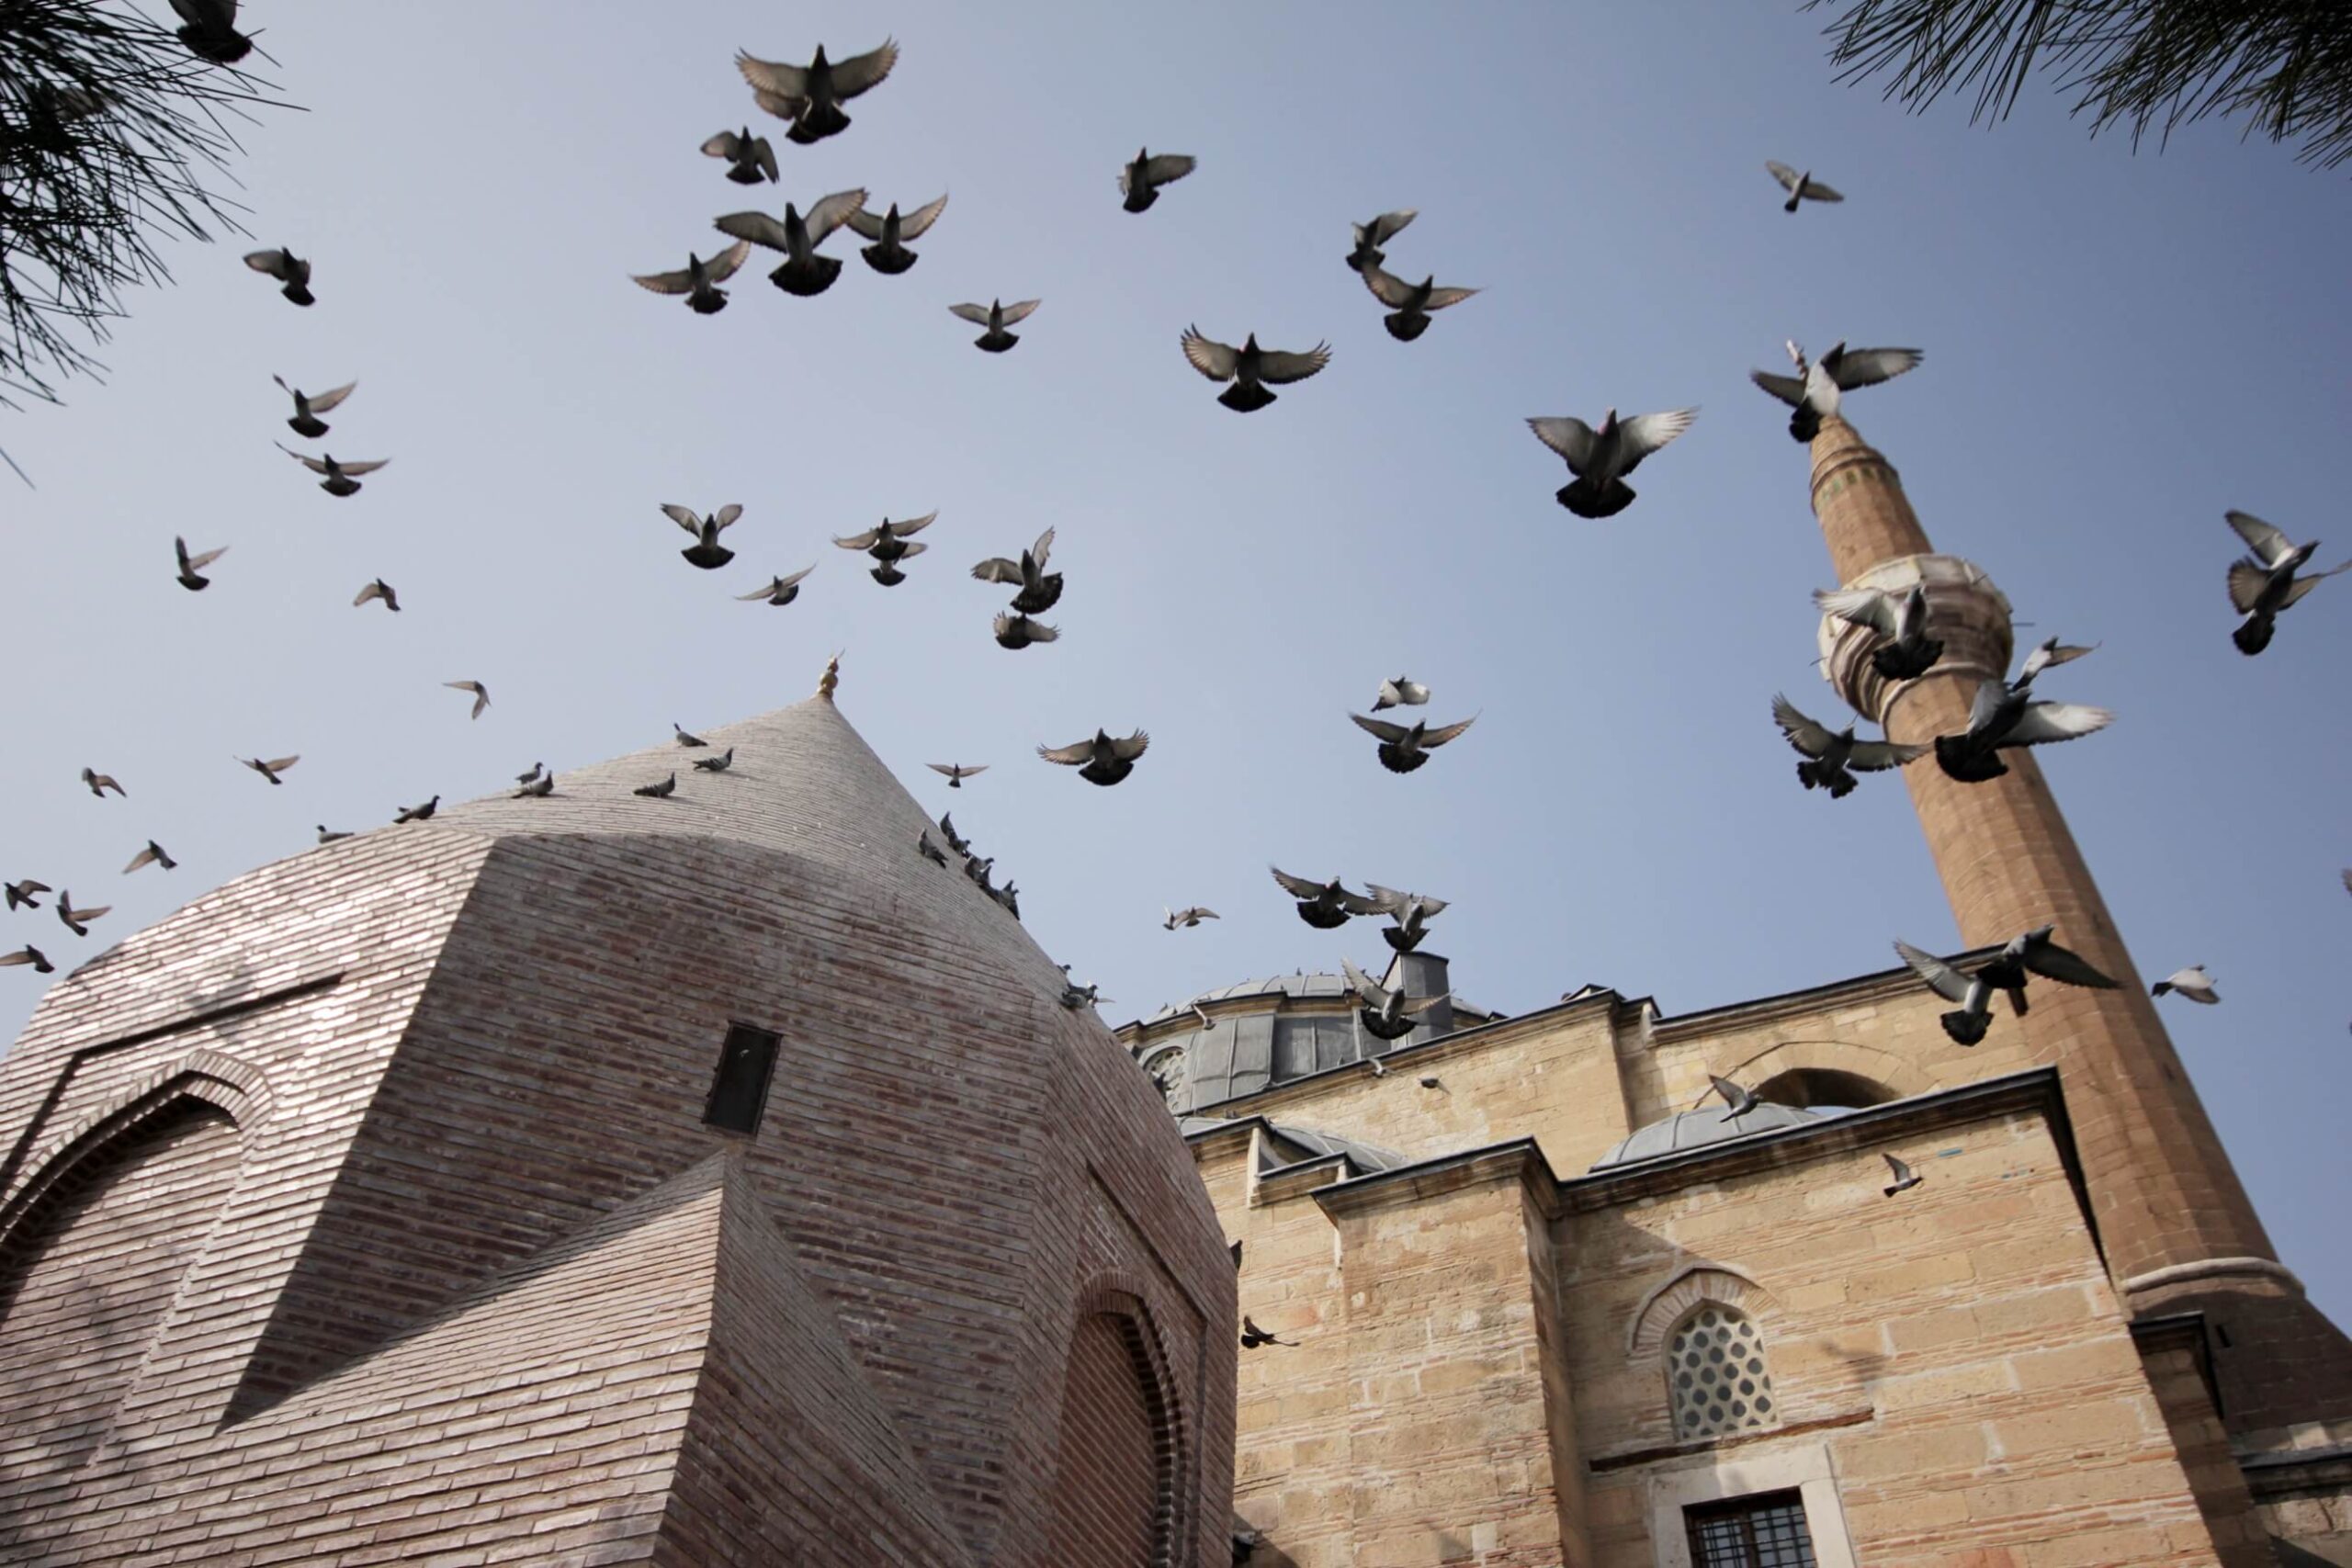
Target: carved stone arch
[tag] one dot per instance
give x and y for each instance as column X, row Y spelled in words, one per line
column 1830, row 1072
column 1673, row 1298
column 1111, row 1310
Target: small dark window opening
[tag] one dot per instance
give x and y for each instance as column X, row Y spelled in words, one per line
column 1765, row 1531
column 739, row 1090
column 2221, row 1332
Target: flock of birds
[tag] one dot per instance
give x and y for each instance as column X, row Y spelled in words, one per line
column 810, row 99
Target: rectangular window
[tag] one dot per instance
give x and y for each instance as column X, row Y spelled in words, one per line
column 1763, row 1531
column 739, row 1090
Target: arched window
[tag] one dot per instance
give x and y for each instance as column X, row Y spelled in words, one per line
column 1716, row 1374
column 1123, row 1478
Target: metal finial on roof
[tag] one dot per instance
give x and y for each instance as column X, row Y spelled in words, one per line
column 830, row 678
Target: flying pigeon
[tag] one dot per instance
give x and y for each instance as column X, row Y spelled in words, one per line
column 1813, row 391
column 996, row 316
column 1411, row 911
column 1830, row 755
column 270, row 767
column 28, row 955
column 208, row 29
column 190, row 565
column 2192, row 983
column 101, row 782
column 2264, row 582
column 1252, row 1336
column 1601, row 458
column 1905, row 1177
column 661, row 791
column 700, row 280
column 717, row 764
column 307, row 409
column 341, row 478
column 887, row 542
column 1188, row 917
column 1800, row 187
column 1738, row 1098
column 749, row 159
column 480, row 691
column 2035, row 953
column 1384, row 1010
column 417, row 813
column 811, row 95
column 780, row 591
column 1040, row 589
column 21, row 893
column 75, row 918
column 956, row 772
column 889, row 254
column 1370, row 237
column 803, row 271
column 2049, row 651
column 153, row 854
column 1402, row 692
column 1020, row 631
column 1908, row 652
column 1078, row 997
column 1140, row 181
column 947, row 831
column 1409, row 304
column 705, row 552
column 290, row 269
column 686, row 740
column 1251, row 369
column 328, row 835
column 379, row 589
column 1968, row 1023
column 1404, row 747
column 2004, row 715
column 1105, row 760
column 536, row 786
column 1326, row 905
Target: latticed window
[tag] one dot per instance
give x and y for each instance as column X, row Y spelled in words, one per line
column 1714, row 1366
column 1763, row 1531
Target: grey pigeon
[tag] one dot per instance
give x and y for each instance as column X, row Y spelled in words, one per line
column 269, row 768
column 153, row 855
column 661, row 791
column 1740, row 1100
column 2035, row 953
column 1040, row 590
column 1102, row 760
column 22, row 893
column 1385, row 1013
column 780, row 591
column 417, row 813
column 811, row 95
column 1601, row 458
column 1253, row 1337
column 1967, row 1023
column 1007, row 896
column 996, row 316
column 1251, row 369
column 1409, row 304
column 1370, row 237
column 1813, row 391
column 1829, row 755
column 533, row 776
column 1906, row 651
column 29, row 954
column 947, row 831
column 208, row 29
column 101, row 782
column 1800, row 187
column 929, row 850
column 1075, row 997
column 341, row 479
column 1404, row 747
column 75, row 919
column 2046, row 653
column 705, row 552
column 328, row 835
column 958, row 772
column 536, row 788
column 291, row 271
column 1402, row 692
column 2004, row 715
column 749, row 159
column 717, row 764
column 1139, row 180
column 1411, row 911
column 1020, row 631
column 190, row 565
column 1326, row 905
column 889, row 254
column 1905, row 1177
column 1189, row 916
column 698, row 280
column 978, row 869
column 307, row 409
column 481, row 693
column 2265, row 583
column 378, row 588
column 686, row 740
column 803, row 271
column 890, row 543
column 2192, row 983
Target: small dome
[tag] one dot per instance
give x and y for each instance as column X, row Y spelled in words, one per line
column 1695, row 1128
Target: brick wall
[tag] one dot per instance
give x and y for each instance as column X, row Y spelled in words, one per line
column 1108, row 1472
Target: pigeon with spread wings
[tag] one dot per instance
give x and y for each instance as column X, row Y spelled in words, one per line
column 2004, row 715
column 192, row 565
column 889, row 254
column 1017, row 631
column 1601, row 458
column 1830, row 755
column 803, row 271
column 481, row 693
column 1813, row 391
column 1907, row 651
column 1409, row 304
column 996, row 316
column 811, row 95
column 1102, row 760
column 700, row 280
column 1404, row 747
column 778, row 590
column 307, row 409
column 1140, row 180
column 1370, row 237
column 705, row 552
column 1251, row 369
column 1326, row 905
column 1801, row 186
column 2263, row 582
column 341, row 479
column 1386, row 1010
column 1040, row 590
column 749, row 159
column 291, row 271
column 887, row 542
column 958, row 772
column 1412, row 913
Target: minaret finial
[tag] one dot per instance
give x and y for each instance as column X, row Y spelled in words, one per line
column 830, row 678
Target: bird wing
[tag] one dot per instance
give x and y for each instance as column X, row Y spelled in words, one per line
column 328, row 401
column 868, row 225
column 764, row 155
column 774, row 76
column 1861, row 606
column 833, row 211
column 1296, row 886
column 1869, row 367
column 1571, row 438
column 683, row 516
column 279, row 764
column 1644, row 433
column 726, row 144
column 976, row 314
column 865, row 541
column 726, row 263
column 2268, row 543
column 90, row 914
column 791, row 578
column 756, row 227
column 145, row 857
column 768, row 591
column 1877, row 756
column 1441, row 298
column 1069, row 756
column 1040, row 552
column 1018, row 313
column 2048, row 959
column 1990, row 694
column 2048, row 652
column 1895, row 1168
column 311, row 463
column 913, row 225
column 1380, row 729
column 862, row 72
column 915, row 524
column 1164, row 167
column 2247, row 580
column 1386, row 227
column 1280, row 369
column 1387, row 900
column 950, row 769
column 1789, row 389
column 271, row 261
column 1779, row 171
column 23, row 954
column 1362, row 983
column 1433, row 739
column 996, row 568
column 1134, row 746
column 2295, row 590
column 1942, row 979
column 1213, row 359
column 725, row 516
column 2044, row 722
column 367, row 467
column 1806, row 735
column 665, row 282
column 1816, row 191
column 1387, row 286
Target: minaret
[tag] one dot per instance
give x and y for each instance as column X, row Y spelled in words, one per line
column 2178, row 1230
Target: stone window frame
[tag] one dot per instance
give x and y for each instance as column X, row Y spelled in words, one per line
column 1119, row 1298
column 1805, row 1469
column 1754, row 1419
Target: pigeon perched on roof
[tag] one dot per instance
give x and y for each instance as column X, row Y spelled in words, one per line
column 811, row 95
column 1906, row 651
column 481, row 693
column 290, row 270
column 191, row 565
column 1189, row 916
column 378, row 588
column 996, row 316
column 1039, row 589
column 2265, row 583
column 1601, row 458
column 1075, row 997
column 1905, row 1177
column 417, row 813
column 1813, row 391
column 698, row 280
column 955, row 843
column 958, row 772
column 1800, row 187
column 2191, row 983
column 1009, row 897
column 803, row 271
column 1829, row 755
column 22, row 893
column 341, row 479
column 685, row 738
column 29, row 954
column 1402, row 692
column 1253, row 1337
column 533, row 776
column 1409, row 304
column 101, row 782
column 1140, row 179
column 705, row 552
column 269, row 768
column 153, row 855
column 749, row 159
column 978, row 869
column 1740, row 1100
column 661, row 791
column 1370, row 237
column 1411, row 912
column 1102, row 760
column 536, row 786
column 1326, row 905
column 208, row 29
column 75, row 919
column 307, row 409
column 889, row 254
column 1403, row 747
column 1251, row 369
column 1019, row 631
column 780, row 591
column 719, row 764
column 929, row 850
column 328, row 835
column 2002, row 715
column 1385, row 1011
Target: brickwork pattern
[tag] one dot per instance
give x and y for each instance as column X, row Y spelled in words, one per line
column 1112, row 1454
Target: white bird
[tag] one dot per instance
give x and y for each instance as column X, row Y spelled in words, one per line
column 1906, row 651
column 1813, row 391
column 2264, row 582
column 1402, row 691
column 2191, row 982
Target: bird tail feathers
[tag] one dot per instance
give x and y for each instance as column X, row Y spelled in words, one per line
column 1587, row 499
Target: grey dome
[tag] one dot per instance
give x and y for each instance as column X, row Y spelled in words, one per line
column 1695, row 1128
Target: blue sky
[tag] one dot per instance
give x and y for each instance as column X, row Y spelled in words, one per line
column 2119, row 347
